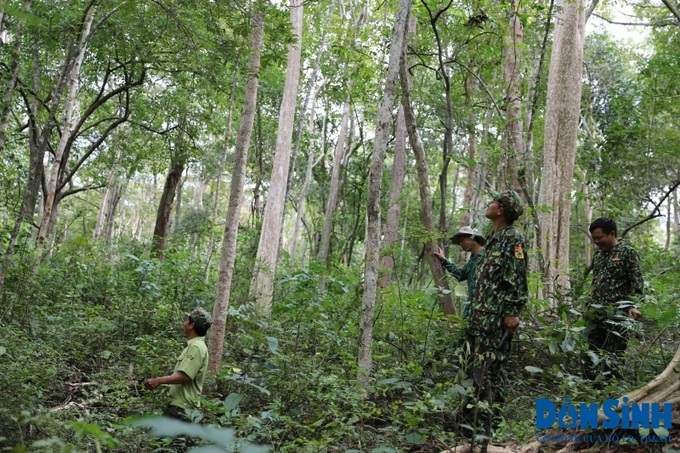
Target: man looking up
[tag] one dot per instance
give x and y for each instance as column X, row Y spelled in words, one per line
column 500, row 294
column 186, row 381
column 469, row 240
column 616, row 279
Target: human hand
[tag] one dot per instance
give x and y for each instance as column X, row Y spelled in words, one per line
column 510, row 323
column 152, row 383
column 438, row 253
column 634, row 313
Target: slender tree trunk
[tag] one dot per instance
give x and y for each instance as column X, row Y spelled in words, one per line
column 8, row 95
column 110, row 215
column 220, row 173
column 513, row 96
column 162, row 227
column 49, row 214
column 297, row 226
column 471, row 86
column 310, row 97
column 228, row 258
column 178, row 206
column 588, row 246
column 561, row 127
column 394, row 209
column 108, row 194
column 334, row 188
column 373, row 227
column 676, row 211
column 262, row 285
column 426, row 215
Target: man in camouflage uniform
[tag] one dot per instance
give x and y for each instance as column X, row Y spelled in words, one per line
column 186, row 381
column 469, row 240
column 616, row 279
column 500, row 293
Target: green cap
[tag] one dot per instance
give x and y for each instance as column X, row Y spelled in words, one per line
column 511, row 203
column 201, row 317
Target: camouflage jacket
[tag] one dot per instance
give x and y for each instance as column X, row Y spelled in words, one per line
column 616, row 275
column 465, row 273
column 501, row 282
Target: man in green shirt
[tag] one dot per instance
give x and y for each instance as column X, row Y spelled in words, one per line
column 470, row 240
column 186, row 381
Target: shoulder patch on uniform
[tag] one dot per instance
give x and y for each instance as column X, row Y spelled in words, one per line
column 519, row 252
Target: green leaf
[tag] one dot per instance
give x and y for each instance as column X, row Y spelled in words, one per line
column 415, row 438
column 3, row 350
column 231, row 402
column 533, row 369
column 644, row 432
column 460, row 291
column 661, row 431
column 273, row 343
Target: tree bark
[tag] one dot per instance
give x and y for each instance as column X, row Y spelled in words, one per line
column 426, row 216
column 220, row 169
column 8, row 95
column 470, row 183
column 373, row 227
column 262, row 284
column 162, row 226
column 334, row 188
column 69, row 107
column 108, row 194
column 513, row 96
column 394, row 208
column 562, row 116
column 229, row 239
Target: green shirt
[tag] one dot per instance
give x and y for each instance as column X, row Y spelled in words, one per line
column 465, row 273
column 193, row 361
column 616, row 275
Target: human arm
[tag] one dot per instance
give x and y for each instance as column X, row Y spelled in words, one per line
column 459, row 273
column 174, row 378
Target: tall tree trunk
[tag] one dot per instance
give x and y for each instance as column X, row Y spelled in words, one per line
column 588, row 246
column 228, row 258
column 513, row 96
column 676, row 211
column 394, row 208
column 426, row 216
column 262, row 285
column 8, row 95
column 220, row 171
column 36, row 145
column 104, row 207
column 559, row 152
column 162, row 226
column 110, row 214
column 373, row 227
column 310, row 98
column 50, row 195
column 300, row 211
column 470, row 93
column 334, row 188
column 178, row 206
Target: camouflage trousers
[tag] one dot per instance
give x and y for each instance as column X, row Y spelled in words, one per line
column 608, row 332
column 492, row 390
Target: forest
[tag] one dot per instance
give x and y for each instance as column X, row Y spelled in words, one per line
column 292, row 168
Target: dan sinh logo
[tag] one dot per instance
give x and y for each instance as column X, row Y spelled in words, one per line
column 617, row 414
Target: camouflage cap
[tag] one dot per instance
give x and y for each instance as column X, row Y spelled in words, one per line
column 511, row 203
column 201, row 317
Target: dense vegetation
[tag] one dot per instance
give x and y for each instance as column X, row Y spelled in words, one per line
column 117, row 152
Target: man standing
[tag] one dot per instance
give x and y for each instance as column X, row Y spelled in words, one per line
column 500, row 294
column 616, row 279
column 186, row 381
column 470, row 240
